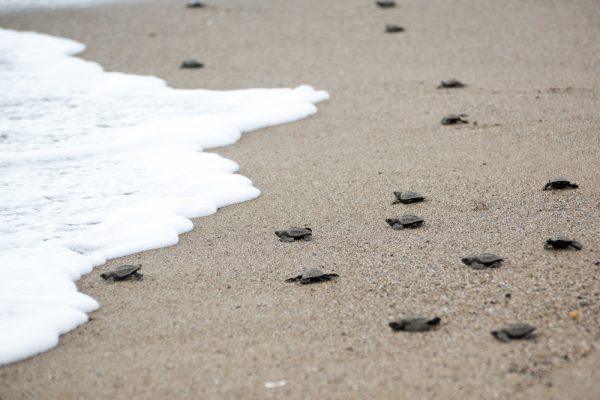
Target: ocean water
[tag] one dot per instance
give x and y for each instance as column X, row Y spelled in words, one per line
column 97, row 165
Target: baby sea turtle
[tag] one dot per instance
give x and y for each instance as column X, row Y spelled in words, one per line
column 407, row 197
column 484, row 260
column 415, row 324
column 289, row 235
column 191, row 64
column 122, row 273
column 513, row 331
column 562, row 242
column 391, row 28
column 195, row 4
column 560, row 183
column 454, row 119
column 451, row 84
column 386, row 3
column 312, row 275
column 405, row 221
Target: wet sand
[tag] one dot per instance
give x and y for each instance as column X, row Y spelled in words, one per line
column 214, row 319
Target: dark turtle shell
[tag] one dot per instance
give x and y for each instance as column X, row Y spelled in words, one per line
column 405, row 221
column 191, row 64
column 407, row 197
column 392, row 28
column 126, row 270
column 415, row 324
column 513, row 331
column 385, row 3
column 454, row 119
column 562, row 242
column 289, row 235
column 560, row 183
column 483, row 260
column 298, row 232
column 312, row 275
column 451, row 84
column 122, row 272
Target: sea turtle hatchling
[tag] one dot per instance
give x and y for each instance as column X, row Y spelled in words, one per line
column 484, row 260
column 385, row 3
column 191, row 64
column 405, row 221
column 195, row 4
column 513, row 331
column 415, row 324
column 562, row 242
column 454, row 119
column 123, row 272
column 392, row 28
column 312, row 275
column 289, row 235
column 408, row 197
column 451, row 84
column 560, row 183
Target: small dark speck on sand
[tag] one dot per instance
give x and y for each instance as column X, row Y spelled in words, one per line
column 451, row 84
column 391, row 28
column 191, row 64
column 454, row 119
column 386, row 3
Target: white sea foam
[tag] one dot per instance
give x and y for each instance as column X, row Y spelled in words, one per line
column 97, row 165
column 12, row 5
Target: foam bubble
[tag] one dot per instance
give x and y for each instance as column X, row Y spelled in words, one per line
column 97, row 165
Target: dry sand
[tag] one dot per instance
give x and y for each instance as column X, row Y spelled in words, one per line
column 214, row 320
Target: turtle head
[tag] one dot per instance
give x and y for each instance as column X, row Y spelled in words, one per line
column 105, row 276
column 466, row 260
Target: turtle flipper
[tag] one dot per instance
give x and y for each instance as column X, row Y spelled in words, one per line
column 286, row 238
column 137, row 276
column 576, row 245
column 477, row 265
column 501, row 336
column 108, row 277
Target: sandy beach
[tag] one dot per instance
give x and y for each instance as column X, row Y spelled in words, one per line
column 214, row 319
